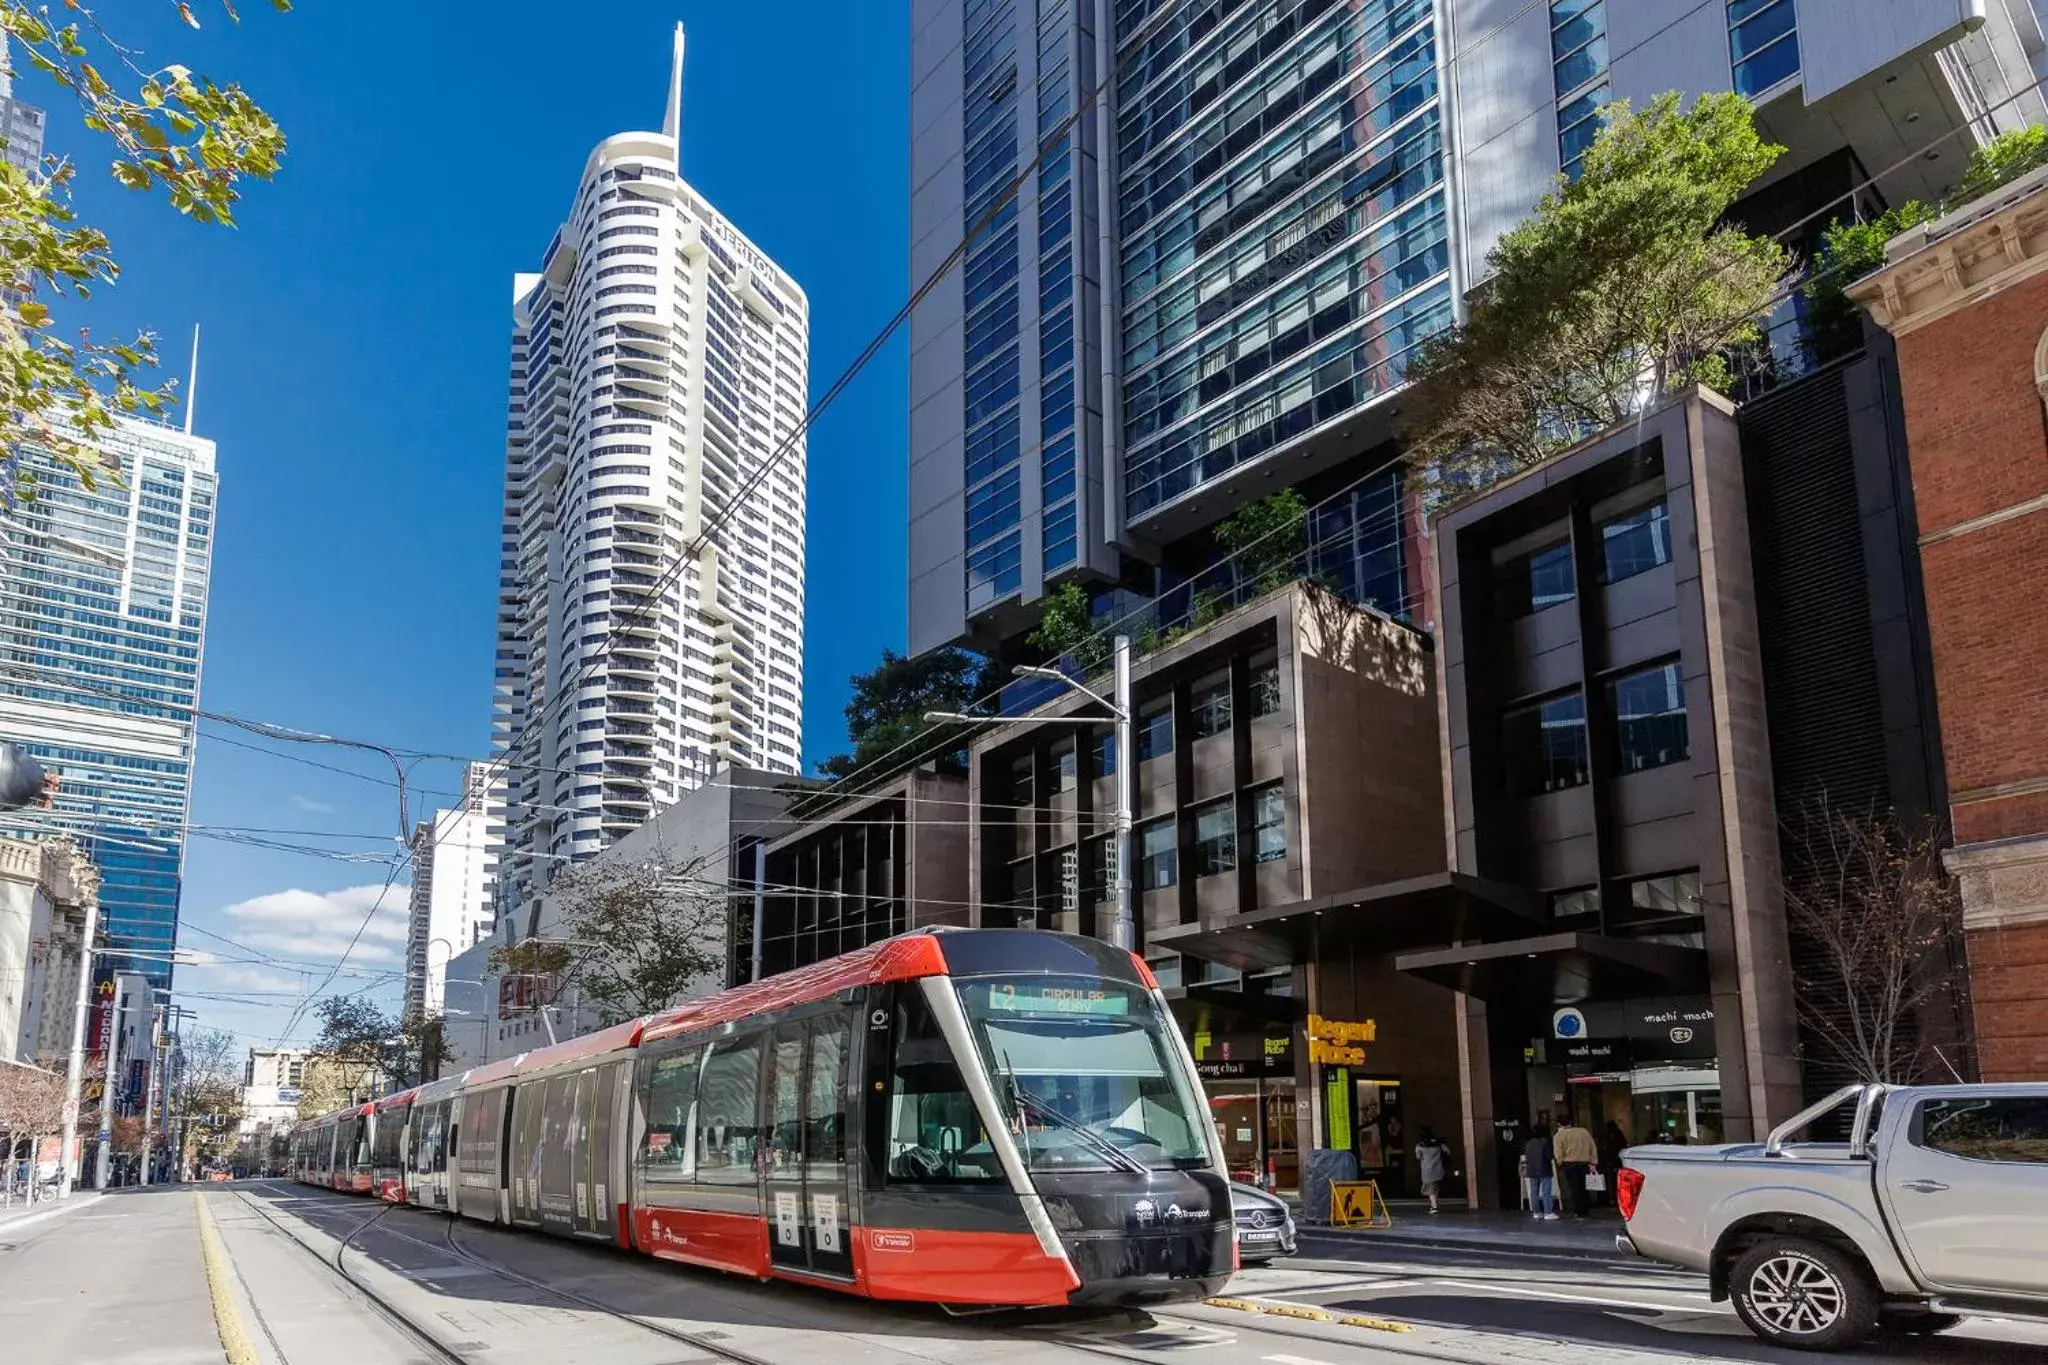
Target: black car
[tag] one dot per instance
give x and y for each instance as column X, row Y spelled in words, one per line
column 1265, row 1229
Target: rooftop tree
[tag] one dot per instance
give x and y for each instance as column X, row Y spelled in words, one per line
column 1625, row 285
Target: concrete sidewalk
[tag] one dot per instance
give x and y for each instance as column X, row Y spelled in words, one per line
column 1492, row 1229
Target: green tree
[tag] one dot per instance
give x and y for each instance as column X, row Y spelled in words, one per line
column 1066, row 629
column 1267, row 540
column 889, row 703
column 637, row 935
column 1849, row 251
column 363, row 1042
column 169, row 128
column 1625, row 285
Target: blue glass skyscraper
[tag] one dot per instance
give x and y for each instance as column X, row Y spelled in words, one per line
column 102, row 623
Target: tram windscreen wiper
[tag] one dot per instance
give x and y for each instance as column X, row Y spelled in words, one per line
column 1117, row 1155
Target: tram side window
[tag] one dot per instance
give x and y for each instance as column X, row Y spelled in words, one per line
column 668, row 1149
column 934, row 1133
column 728, row 1102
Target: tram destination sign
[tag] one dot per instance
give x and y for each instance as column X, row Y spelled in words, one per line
column 1034, row 997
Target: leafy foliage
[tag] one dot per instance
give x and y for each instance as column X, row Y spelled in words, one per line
column 208, row 1090
column 637, row 937
column 362, row 1043
column 1267, row 540
column 1066, row 629
column 171, row 129
column 1999, row 162
column 1625, row 285
column 1849, row 251
column 889, row 703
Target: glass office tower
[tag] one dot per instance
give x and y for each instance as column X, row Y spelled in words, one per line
column 102, row 624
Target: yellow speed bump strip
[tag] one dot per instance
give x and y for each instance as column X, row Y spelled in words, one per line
column 227, row 1319
column 1288, row 1310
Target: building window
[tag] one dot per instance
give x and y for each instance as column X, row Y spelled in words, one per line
column 1157, row 864
column 1209, row 709
column 1269, row 823
column 1656, row 900
column 1763, row 44
column 1063, row 769
column 1215, row 847
column 1542, row 578
column 1578, row 70
column 1105, row 754
column 1576, row 904
column 1155, row 731
column 1165, row 969
column 1546, row 745
column 1022, row 890
column 1020, row 782
column 1636, row 542
column 1265, row 690
column 1070, row 878
column 1649, row 715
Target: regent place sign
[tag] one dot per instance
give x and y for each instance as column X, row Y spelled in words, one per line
column 1338, row 1042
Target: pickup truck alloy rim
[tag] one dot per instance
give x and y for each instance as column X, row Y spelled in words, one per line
column 1795, row 1295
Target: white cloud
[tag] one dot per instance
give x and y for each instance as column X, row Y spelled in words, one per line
column 307, row 803
column 318, row 924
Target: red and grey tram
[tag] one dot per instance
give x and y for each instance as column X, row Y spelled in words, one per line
column 967, row 1117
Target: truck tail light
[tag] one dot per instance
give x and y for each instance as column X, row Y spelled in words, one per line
column 1628, row 1187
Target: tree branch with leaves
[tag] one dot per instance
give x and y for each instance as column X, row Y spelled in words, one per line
column 170, row 129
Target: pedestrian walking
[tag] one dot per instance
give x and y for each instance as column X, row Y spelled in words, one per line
column 1433, row 1156
column 1575, row 1151
column 1542, row 1174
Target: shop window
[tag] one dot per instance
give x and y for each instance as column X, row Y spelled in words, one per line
column 1269, row 823
column 1546, row 745
column 1155, row 731
column 1649, row 715
column 1215, row 849
column 1158, row 865
column 1209, row 709
column 1542, row 578
column 1265, row 690
column 1103, row 754
column 1636, row 542
column 2003, row 1128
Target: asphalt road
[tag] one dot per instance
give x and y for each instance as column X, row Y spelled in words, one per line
column 125, row 1280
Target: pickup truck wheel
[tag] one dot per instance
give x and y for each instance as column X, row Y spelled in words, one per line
column 1807, row 1295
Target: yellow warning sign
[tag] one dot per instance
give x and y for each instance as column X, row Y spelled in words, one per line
column 1357, row 1204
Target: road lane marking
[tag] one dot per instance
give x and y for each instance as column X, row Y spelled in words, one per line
column 1294, row 1360
column 1597, row 1300
column 227, row 1317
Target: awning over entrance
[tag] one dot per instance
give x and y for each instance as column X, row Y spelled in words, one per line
column 1562, row 968
column 1391, row 917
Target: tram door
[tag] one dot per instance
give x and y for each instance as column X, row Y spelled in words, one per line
column 806, row 1163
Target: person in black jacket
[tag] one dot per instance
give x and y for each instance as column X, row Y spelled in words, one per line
column 1542, row 1174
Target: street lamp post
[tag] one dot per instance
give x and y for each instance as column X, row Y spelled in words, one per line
column 1122, row 925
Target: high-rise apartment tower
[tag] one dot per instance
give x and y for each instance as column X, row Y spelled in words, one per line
column 659, row 362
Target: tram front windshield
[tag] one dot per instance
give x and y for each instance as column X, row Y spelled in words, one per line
column 1086, row 1072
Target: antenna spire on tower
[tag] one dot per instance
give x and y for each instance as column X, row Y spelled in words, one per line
column 672, row 121
column 192, row 384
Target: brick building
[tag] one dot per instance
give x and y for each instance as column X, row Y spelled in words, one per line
column 1966, row 297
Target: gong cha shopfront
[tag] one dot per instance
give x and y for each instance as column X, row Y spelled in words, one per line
column 1262, row 1109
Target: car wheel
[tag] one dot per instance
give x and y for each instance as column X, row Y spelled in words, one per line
column 1806, row 1295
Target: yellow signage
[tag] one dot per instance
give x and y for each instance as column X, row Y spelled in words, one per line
column 1357, row 1203
column 1338, row 1042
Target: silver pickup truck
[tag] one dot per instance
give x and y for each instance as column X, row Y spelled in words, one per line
column 1936, row 1207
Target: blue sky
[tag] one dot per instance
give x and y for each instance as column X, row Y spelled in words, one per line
column 353, row 371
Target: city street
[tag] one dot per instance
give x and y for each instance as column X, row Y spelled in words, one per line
column 126, row 1281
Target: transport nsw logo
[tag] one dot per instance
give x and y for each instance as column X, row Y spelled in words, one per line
column 893, row 1241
